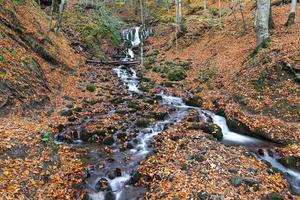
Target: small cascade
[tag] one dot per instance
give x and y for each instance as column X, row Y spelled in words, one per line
column 120, row 186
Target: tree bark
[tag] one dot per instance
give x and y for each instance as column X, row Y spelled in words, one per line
column 292, row 15
column 62, row 6
column 262, row 22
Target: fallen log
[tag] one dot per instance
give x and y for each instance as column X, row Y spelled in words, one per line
column 114, row 62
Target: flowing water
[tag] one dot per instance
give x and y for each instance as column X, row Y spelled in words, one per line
column 120, row 187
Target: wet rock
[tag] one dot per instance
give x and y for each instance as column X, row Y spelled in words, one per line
column 198, row 157
column 114, row 173
column 91, row 87
column 202, row 195
column 157, row 115
column 136, row 177
column 68, row 98
column 273, row 196
column 70, row 105
column 121, row 135
column 66, row 112
column 195, row 101
column 212, row 129
column 112, row 130
column 109, row 195
column 236, row 181
column 194, row 118
column 238, row 127
column 84, row 135
column 142, row 123
column 251, row 183
column 102, row 185
column 108, row 140
column 134, row 105
column 72, row 119
column 185, row 167
column 174, row 137
column 100, row 133
column 289, row 161
column 117, row 100
column 78, row 109
column 149, row 101
column 129, row 145
column 232, row 170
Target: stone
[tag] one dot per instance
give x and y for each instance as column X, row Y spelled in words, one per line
column 273, row 196
column 108, row 140
column 66, row 112
column 236, row 181
column 142, row 123
column 195, row 101
column 135, row 177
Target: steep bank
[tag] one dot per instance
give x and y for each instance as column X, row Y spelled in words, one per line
column 262, row 95
column 44, row 84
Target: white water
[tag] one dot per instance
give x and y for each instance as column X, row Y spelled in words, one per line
column 142, row 149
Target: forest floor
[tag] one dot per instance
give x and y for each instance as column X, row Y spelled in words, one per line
column 34, row 164
column 261, row 94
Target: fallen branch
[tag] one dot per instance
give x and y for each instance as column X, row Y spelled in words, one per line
column 118, row 62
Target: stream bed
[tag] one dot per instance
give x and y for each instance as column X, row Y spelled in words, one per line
column 118, row 184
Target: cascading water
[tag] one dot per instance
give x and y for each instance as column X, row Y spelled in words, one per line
column 119, row 186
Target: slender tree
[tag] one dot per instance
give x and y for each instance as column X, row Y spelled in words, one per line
column 262, row 22
column 292, row 15
column 62, row 6
column 142, row 31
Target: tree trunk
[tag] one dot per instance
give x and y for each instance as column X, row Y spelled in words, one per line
column 292, row 15
column 62, row 6
column 271, row 22
column 262, row 22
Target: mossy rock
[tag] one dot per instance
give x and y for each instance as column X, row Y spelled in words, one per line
column 142, row 123
column 176, row 74
column 109, row 140
column 136, row 177
column 157, row 115
column 236, row 181
column 149, row 101
column 91, row 87
column 198, row 157
column 134, row 105
column 212, row 129
column 273, row 196
column 195, row 101
column 66, row 112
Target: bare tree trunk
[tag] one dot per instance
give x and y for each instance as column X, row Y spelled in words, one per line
column 242, row 14
column 142, row 31
column 205, row 6
column 271, row 21
column 262, row 22
column 292, row 15
column 62, row 6
column 51, row 15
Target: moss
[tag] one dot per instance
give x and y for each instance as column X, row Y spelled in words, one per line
column 176, row 74
column 134, row 105
column 195, row 101
column 66, row 112
column 291, row 19
column 142, row 123
column 274, row 196
column 91, row 87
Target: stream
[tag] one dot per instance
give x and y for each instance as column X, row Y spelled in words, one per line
column 118, row 184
